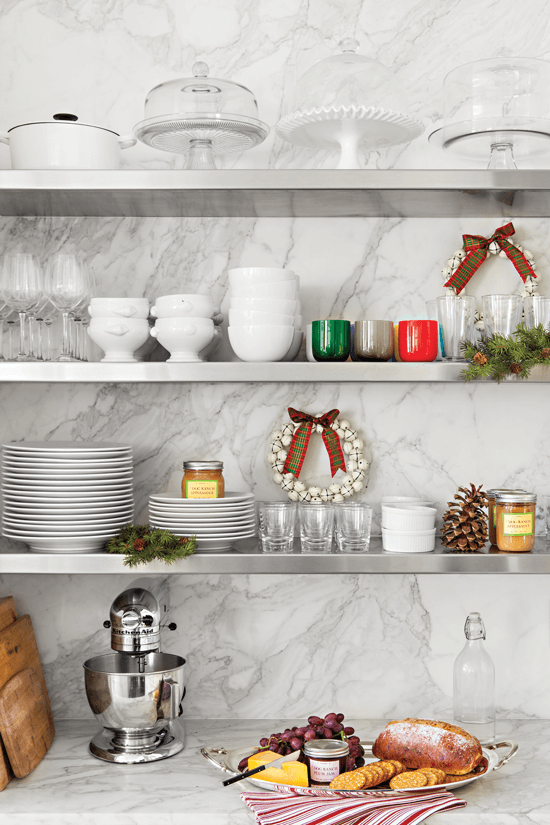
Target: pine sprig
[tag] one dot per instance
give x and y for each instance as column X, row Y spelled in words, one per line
column 496, row 357
column 141, row 543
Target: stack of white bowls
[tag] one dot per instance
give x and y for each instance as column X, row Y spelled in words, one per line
column 408, row 528
column 66, row 496
column 216, row 522
column 187, row 326
column 119, row 326
column 265, row 321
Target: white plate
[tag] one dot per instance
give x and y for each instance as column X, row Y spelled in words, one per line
column 229, row 762
column 55, row 463
column 55, row 511
column 60, row 546
column 230, row 498
column 70, row 447
column 38, row 477
column 204, row 524
column 54, row 487
column 66, row 497
column 206, row 532
column 85, row 528
column 106, row 534
column 210, row 537
column 229, row 513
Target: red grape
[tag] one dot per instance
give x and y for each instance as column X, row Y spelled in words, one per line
column 315, row 720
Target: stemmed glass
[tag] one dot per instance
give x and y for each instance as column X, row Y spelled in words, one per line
column 66, row 287
column 45, row 314
column 22, row 288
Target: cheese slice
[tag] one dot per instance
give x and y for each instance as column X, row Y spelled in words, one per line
column 261, row 758
column 290, row 773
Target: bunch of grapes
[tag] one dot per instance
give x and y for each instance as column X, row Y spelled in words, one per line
column 331, row 727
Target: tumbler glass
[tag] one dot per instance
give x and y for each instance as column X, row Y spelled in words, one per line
column 537, row 311
column 277, row 519
column 456, row 315
column 316, row 526
column 501, row 314
column 353, row 524
column 373, row 340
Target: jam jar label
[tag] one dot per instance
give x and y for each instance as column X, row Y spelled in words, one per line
column 323, row 770
column 517, row 524
column 201, row 489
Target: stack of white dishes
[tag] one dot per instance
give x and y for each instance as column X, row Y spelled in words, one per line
column 408, row 528
column 66, row 496
column 187, row 326
column 265, row 321
column 216, row 522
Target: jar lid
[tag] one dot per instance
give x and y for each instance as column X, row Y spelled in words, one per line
column 519, row 497
column 494, row 493
column 326, row 748
column 203, row 465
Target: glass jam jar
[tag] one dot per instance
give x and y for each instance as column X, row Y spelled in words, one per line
column 491, row 507
column 325, row 759
column 202, row 479
column 515, row 521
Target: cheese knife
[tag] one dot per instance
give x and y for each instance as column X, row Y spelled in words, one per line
column 275, row 763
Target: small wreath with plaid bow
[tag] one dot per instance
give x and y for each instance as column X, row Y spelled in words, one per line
column 288, row 447
column 465, row 262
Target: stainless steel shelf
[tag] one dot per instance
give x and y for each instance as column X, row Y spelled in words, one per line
column 238, row 372
column 249, row 559
column 277, row 193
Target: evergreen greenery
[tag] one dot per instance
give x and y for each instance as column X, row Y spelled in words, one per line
column 142, row 543
column 497, row 357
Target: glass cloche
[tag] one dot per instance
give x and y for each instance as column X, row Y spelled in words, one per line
column 202, row 116
column 349, row 101
column 496, row 110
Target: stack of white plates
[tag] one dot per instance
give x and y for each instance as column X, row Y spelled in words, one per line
column 216, row 522
column 66, row 496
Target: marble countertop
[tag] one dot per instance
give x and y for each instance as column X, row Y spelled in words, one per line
column 71, row 787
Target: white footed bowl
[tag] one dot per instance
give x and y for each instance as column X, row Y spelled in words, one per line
column 184, row 338
column 295, row 346
column 240, row 317
column 255, row 275
column 286, row 290
column 119, row 338
column 261, row 343
column 297, row 322
column 119, row 308
column 281, row 306
column 183, row 306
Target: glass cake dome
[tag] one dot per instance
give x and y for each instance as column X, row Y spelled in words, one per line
column 202, row 116
column 348, row 101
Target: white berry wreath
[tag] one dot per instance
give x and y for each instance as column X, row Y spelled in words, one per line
column 352, row 447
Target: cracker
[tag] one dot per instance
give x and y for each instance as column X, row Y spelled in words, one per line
column 409, row 779
column 388, row 768
column 374, row 774
column 399, row 767
column 349, row 781
column 440, row 775
column 430, row 776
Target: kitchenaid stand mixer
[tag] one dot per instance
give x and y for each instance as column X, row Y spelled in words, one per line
column 136, row 692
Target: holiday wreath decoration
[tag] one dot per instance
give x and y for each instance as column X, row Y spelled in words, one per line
column 464, row 263
column 288, row 447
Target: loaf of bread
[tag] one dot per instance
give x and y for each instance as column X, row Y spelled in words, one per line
column 422, row 743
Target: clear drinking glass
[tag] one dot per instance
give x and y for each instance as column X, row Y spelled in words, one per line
column 66, row 287
column 501, row 314
column 22, row 288
column 316, row 527
column 276, row 526
column 537, row 311
column 353, row 521
column 546, row 505
column 456, row 315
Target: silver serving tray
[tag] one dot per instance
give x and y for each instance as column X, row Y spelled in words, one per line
column 228, row 762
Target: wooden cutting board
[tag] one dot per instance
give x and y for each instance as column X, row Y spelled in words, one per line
column 18, row 651
column 7, row 616
column 26, row 721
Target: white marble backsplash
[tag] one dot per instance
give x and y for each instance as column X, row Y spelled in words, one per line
column 266, row 646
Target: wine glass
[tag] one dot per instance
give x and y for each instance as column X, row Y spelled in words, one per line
column 44, row 315
column 22, row 288
column 66, row 286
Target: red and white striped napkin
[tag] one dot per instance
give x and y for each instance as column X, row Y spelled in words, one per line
column 337, row 808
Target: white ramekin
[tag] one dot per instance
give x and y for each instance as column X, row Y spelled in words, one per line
column 410, row 517
column 399, row 541
column 424, row 502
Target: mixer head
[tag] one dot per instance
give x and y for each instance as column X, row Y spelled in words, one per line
column 135, row 622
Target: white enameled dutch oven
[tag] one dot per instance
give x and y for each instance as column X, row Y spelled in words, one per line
column 64, row 143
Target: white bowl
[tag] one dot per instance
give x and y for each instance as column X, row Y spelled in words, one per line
column 254, row 275
column 184, row 338
column 405, row 500
column 295, row 346
column 411, row 517
column 402, row 541
column 297, row 322
column 188, row 305
column 309, row 348
column 281, row 306
column 286, row 290
column 119, row 308
column 241, row 317
column 261, row 343
column 119, row 338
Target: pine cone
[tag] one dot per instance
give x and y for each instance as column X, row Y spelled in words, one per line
column 465, row 524
column 515, row 368
column 546, row 352
column 480, row 359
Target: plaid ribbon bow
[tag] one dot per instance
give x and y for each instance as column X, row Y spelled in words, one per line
column 300, row 441
column 477, row 248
